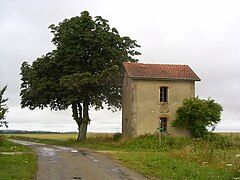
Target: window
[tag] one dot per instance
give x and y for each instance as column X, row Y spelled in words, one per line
column 163, row 94
column 163, row 124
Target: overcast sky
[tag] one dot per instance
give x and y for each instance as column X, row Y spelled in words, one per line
column 204, row 34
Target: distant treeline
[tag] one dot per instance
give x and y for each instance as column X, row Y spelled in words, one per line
column 33, row 132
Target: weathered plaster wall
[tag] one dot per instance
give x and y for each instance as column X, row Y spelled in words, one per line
column 149, row 109
column 142, row 108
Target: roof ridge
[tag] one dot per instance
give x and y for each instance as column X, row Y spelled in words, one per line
column 154, row 64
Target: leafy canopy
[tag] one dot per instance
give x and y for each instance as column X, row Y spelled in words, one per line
column 197, row 114
column 84, row 67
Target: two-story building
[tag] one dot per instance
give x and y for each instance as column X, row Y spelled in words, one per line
column 151, row 95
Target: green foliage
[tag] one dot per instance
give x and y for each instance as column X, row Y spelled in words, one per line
column 197, row 114
column 3, row 107
column 117, row 137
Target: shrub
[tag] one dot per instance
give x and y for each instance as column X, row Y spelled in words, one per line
column 197, row 114
column 117, row 136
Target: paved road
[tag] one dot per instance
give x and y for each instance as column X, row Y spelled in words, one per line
column 61, row 163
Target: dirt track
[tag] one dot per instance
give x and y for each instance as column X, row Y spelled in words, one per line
column 61, row 163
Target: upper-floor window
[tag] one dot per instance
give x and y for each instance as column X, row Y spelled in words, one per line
column 163, row 94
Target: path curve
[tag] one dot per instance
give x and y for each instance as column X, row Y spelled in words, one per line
column 63, row 163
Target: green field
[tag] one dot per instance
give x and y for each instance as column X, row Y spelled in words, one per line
column 16, row 166
column 172, row 158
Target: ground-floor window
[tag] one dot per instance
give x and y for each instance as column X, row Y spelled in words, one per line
column 163, row 124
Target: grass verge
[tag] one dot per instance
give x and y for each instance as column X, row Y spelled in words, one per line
column 16, row 166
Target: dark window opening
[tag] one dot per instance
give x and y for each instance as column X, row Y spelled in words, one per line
column 163, row 94
column 163, row 124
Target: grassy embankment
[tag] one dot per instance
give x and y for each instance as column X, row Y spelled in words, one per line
column 172, row 158
column 16, row 161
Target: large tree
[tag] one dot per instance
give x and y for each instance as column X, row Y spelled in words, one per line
column 83, row 70
column 3, row 107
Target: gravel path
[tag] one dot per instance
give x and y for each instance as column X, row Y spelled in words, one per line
column 61, row 163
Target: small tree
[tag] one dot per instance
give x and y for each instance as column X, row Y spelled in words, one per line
column 3, row 108
column 197, row 114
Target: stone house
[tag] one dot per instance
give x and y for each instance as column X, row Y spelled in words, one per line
column 151, row 95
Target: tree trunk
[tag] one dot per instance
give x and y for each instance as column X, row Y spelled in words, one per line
column 79, row 131
column 81, row 116
column 86, row 120
column 83, row 132
column 77, row 116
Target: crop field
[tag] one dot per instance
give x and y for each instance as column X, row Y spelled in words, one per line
column 167, row 158
column 55, row 136
column 62, row 136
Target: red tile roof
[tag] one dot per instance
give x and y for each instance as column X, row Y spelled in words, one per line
column 160, row 71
